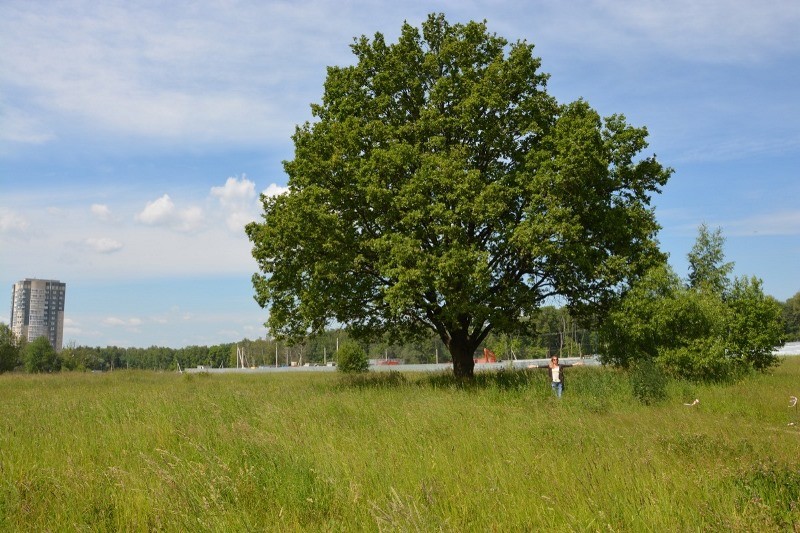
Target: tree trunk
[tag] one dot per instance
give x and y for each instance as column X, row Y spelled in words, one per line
column 461, row 351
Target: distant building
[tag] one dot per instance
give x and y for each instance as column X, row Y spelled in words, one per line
column 37, row 310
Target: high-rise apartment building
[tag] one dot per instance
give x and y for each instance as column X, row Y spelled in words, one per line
column 37, row 310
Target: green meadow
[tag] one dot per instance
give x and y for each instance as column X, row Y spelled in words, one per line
column 146, row 451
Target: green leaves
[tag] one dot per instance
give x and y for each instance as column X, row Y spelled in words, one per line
column 707, row 271
column 696, row 330
column 442, row 188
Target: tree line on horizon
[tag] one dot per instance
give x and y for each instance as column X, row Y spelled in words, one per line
column 558, row 332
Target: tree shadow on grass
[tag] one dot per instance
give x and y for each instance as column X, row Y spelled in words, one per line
column 512, row 379
column 373, row 380
column 508, row 380
column 503, row 379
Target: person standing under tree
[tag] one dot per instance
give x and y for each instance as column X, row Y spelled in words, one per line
column 556, row 372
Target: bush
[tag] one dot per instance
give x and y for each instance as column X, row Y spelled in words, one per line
column 39, row 356
column 9, row 350
column 648, row 382
column 352, row 359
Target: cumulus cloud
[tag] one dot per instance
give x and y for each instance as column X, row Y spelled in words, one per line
column 162, row 212
column 235, row 192
column 103, row 245
column 101, row 211
column 275, row 190
column 238, row 200
column 158, row 211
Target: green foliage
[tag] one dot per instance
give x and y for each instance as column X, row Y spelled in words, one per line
column 351, row 359
column 755, row 324
column 9, row 349
column 791, row 317
column 707, row 269
column 648, row 382
column 79, row 358
column 703, row 358
column 40, row 356
column 441, row 189
column 695, row 331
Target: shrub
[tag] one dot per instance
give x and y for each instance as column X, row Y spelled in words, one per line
column 9, row 350
column 40, row 356
column 648, row 382
column 351, row 359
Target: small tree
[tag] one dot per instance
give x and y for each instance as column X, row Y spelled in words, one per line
column 707, row 329
column 40, row 356
column 708, row 270
column 755, row 326
column 352, row 359
column 9, row 349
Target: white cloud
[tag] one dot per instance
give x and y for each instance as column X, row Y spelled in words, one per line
column 238, row 200
column 179, row 70
column 71, row 327
column 19, row 127
column 158, row 211
column 275, row 190
column 162, row 212
column 119, row 322
column 12, row 221
column 235, row 192
column 101, row 211
column 103, row 245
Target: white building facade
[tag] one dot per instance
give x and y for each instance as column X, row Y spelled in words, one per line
column 37, row 310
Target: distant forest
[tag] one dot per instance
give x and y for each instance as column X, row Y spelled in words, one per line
column 557, row 333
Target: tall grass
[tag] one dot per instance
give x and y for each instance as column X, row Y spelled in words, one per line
column 139, row 451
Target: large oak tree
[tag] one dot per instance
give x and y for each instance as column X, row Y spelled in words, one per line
column 440, row 187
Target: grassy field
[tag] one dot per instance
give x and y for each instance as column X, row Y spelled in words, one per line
column 138, row 451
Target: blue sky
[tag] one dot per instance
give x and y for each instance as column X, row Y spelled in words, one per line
column 135, row 138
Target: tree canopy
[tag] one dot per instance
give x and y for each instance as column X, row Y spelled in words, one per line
column 708, row 270
column 441, row 188
column 40, row 356
column 708, row 328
